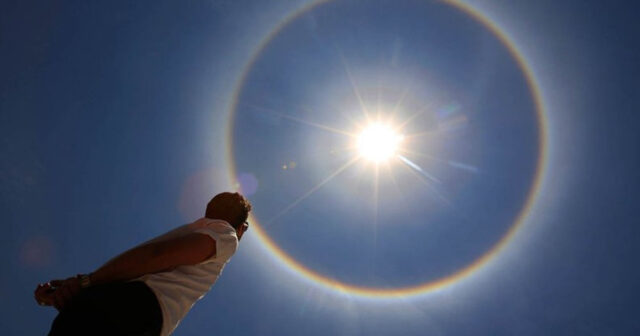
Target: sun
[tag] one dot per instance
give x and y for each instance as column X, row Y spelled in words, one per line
column 378, row 142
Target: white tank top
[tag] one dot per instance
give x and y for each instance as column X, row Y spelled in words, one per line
column 178, row 290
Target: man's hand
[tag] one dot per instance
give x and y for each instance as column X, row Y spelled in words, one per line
column 43, row 294
column 58, row 293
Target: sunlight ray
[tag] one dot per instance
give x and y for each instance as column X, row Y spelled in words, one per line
column 430, row 186
column 400, row 101
column 339, row 150
column 320, row 126
column 342, row 113
column 378, row 98
column 420, row 134
column 413, row 116
column 418, row 169
column 312, row 190
column 376, row 185
column 454, row 164
column 302, row 121
column 389, row 171
column 355, row 88
column 464, row 166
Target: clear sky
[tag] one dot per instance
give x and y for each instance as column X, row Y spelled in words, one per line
column 119, row 120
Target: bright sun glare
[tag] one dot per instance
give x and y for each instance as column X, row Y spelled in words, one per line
column 378, row 142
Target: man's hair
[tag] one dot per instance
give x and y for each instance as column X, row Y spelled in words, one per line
column 232, row 207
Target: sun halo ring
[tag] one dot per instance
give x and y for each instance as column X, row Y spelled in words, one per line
column 333, row 285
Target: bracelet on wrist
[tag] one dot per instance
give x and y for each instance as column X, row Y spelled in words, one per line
column 85, row 280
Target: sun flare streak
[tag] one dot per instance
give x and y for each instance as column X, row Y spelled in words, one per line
column 423, row 176
column 356, row 92
column 455, row 164
column 314, row 189
column 300, row 120
column 418, row 169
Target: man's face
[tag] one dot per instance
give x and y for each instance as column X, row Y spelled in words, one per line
column 242, row 229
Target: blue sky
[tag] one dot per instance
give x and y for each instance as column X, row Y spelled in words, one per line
column 114, row 120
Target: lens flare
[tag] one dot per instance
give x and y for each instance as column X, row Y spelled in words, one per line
column 378, row 142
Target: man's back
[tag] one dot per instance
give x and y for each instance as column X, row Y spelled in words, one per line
column 179, row 288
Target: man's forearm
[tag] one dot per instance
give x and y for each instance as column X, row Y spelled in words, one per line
column 129, row 265
column 154, row 257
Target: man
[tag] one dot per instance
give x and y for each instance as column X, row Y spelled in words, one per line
column 147, row 290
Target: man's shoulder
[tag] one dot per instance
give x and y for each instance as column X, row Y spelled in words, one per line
column 221, row 227
column 222, row 232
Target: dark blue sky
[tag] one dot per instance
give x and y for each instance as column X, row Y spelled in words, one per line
column 113, row 120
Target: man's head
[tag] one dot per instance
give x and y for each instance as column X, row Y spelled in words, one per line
column 231, row 207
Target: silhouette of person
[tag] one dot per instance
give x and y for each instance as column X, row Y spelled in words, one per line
column 148, row 289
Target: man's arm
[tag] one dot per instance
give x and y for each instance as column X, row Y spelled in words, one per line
column 151, row 257
column 156, row 257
